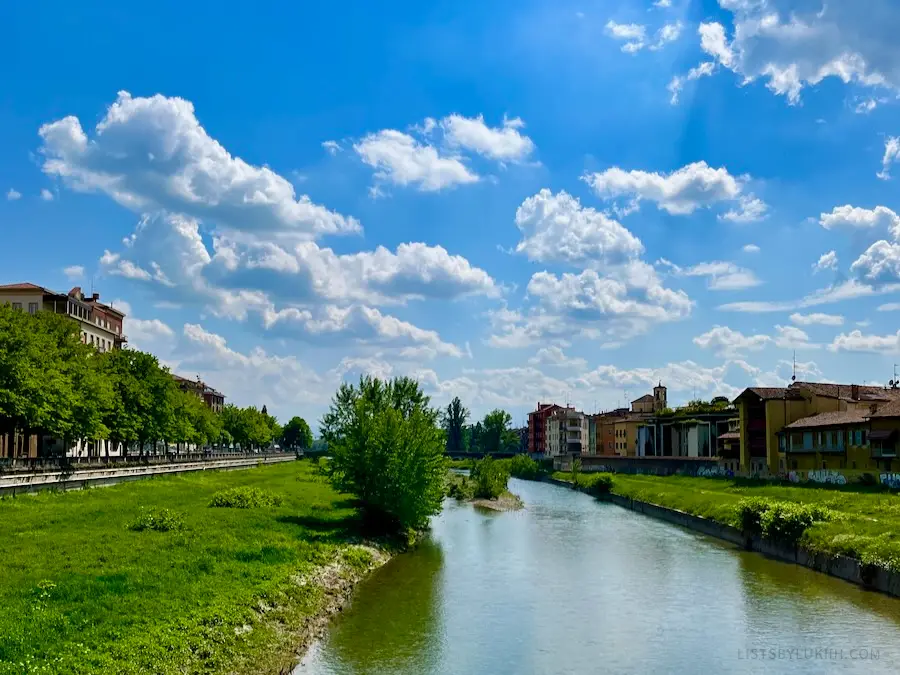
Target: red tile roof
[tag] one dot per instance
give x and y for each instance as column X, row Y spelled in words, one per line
column 769, row 393
column 23, row 287
column 830, row 419
column 864, row 392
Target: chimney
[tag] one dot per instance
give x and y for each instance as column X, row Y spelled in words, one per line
column 854, row 392
column 95, row 297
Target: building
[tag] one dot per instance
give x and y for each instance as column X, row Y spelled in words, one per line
column 537, row 424
column 814, row 426
column 567, row 433
column 101, row 325
column 214, row 400
column 649, row 404
column 606, row 430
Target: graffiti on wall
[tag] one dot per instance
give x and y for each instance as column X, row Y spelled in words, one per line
column 892, row 480
column 827, row 476
column 714, row 472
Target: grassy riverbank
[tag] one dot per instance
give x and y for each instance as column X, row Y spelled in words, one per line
column 224, row 590
column 865, row 523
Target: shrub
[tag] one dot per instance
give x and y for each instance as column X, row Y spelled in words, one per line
column 158, row 520
column 780, row 521
column 490, row 479
column 460, row 487
column 750, row 514
column 522, row 466
column 598, row 484
column 245, row 498
column 387, row 450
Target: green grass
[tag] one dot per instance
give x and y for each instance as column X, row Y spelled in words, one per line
column 89, row 585
column 866, row 523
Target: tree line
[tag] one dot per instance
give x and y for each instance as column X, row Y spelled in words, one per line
column 490, row 435
column 53, row 384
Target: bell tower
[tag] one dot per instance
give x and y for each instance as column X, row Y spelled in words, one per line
column 659, row 398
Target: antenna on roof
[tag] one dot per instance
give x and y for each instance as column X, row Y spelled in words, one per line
column 794, row 371
column 894, row 383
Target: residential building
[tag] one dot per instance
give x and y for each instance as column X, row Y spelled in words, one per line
column 214, row 400
column 813, row 426
column 690, row 431
column 606, row 430
column 101, row 325
column 730, row 445
column 537, row 423
column 566, row 433
column 591, row 448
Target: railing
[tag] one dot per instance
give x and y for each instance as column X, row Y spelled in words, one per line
column 65, row 464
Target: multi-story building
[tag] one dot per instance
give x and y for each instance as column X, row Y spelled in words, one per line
column 814, row 426
column 537, row 423
column 567, row 432
column 213, row 399
column 101, row 325
column 607, row 440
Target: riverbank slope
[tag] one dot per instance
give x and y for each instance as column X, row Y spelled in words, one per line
column 223, row 590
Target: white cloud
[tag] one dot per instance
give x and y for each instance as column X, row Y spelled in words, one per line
column 846, row 290
column 668, row 33
column 751, row 248
column 891, row 153
column 400, row 159
column 791, row 47
column 555, row 356
column 827, row 261
column 152, row 154
column 865, row 107
column 856, row 218
column 855, row 341
column 880, row 263
column 505, row 143
column 557, row 228
column 332, row 147
column 676, row 84
column 722, row 276
column 680, row 192
column 750, row 209
column 727, row 342
column 13, row 195
column 662, row 4
column 633, row 34
column 889, row 307
column 817, row 319
column 791, row 337
column 74, row 272
column 46, row 195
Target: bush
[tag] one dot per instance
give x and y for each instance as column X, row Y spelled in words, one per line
column 158, row 520
column 490, row 478
column 245, row 498
column 780, row 521
column 522, row 466
column 387, row 450
column 460, row 487
column 598, row 484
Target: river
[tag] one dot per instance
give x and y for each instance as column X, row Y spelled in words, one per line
column 572, row 585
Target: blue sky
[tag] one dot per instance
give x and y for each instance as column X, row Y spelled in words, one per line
column 511, row 201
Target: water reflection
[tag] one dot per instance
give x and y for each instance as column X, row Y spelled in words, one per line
column 570, row 585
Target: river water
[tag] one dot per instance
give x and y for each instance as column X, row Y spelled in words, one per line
column 572, row 585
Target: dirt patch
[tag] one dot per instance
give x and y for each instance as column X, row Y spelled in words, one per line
column 505, row 502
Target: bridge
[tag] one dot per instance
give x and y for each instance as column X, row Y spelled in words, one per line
column 480, row 455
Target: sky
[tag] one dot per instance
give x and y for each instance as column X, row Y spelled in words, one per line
column 513, row 201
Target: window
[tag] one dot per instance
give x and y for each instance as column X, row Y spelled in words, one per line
column 32, row 307
column 92, row 339
column 17, row 305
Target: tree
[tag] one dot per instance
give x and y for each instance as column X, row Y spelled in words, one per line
column 497, row 436
column 297, row 434
column 386, row 449
column 454, row 420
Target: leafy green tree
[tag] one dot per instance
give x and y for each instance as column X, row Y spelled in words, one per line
column 491, row 478
column 297, row 434
column 454, row 421
column 497, row 436
column 386, row 449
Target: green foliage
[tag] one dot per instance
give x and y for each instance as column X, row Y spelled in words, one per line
column 597, row 484
column 522, row 466
column 248, row 427
column 297, row 434
column 576, row 470
column 158, row 520
column 460, row 487
column 490, row 478
column 245, row 497
column 387, row 450
column 454, row 421
column 779, row 520
column 497, row 436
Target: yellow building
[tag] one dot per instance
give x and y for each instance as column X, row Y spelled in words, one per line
column 812, row 426
column 626, row 434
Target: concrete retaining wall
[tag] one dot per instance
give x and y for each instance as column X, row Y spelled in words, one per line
column 20, row 483
column 842, row 567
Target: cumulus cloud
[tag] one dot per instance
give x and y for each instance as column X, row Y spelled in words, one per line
column 889, row 307
column 891, row 153
column 74, row 272
column 676, row 84
column 856, row 341
column 791, row 337
column 880, row 263
column 791, row 47
column 555, row 356
column 816, row 318
column 680, row 192
column 751, row 248
column 827, row 261
column 46, row 195
column 557, row 228
column 506, row 143
column 856, row 218
column 332, row 147
column 152, row 154
column 633, row 35
column 13, row 195
column 721, row 275
column 727, row 342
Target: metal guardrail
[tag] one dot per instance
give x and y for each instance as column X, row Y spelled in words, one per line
column 70, row 464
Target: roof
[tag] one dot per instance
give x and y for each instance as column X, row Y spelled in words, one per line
column 864, row 392
column 881, row 434
column 769, row 393
column 891, row 409
column 730, row 436
column 646, row 398
column 23, row 287
column 830, row 419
